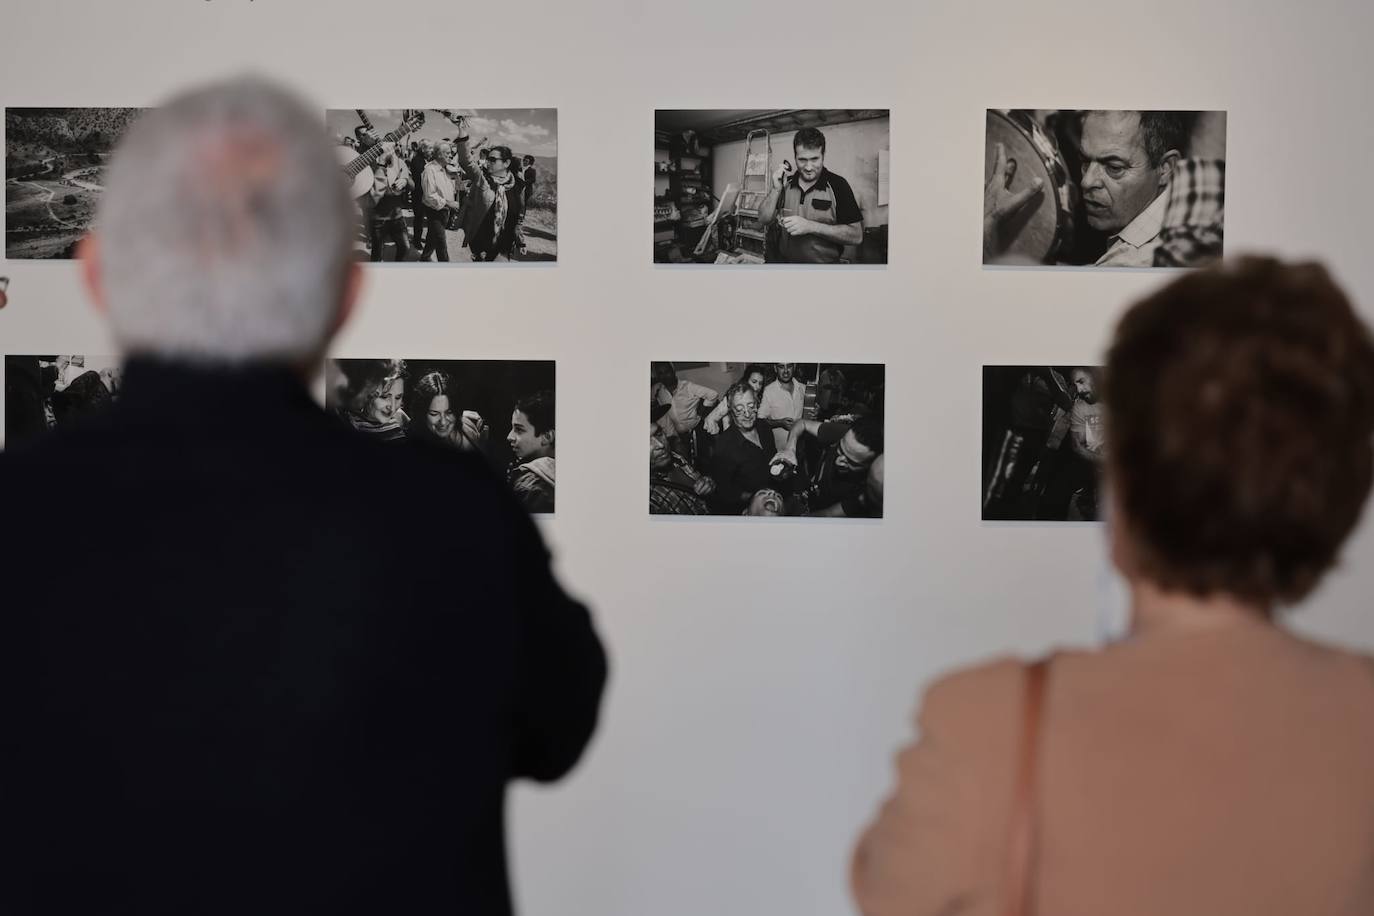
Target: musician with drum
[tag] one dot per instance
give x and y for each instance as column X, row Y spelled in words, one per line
column 816, row 211
column 1123, row 160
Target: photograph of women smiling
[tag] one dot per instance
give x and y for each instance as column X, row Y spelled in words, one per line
column 484, row 406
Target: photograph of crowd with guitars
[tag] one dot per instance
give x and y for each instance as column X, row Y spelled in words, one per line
column 766, row 439
column 1043, row 443
column 1103, row 188
column 755, row 186
column 452, row 184
column 501, row 409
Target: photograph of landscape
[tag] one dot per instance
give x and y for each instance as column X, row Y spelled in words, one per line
column 54, row 164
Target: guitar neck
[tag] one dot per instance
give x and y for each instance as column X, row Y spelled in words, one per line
column 371, row 156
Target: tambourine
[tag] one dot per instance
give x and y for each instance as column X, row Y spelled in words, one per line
column 1042, row 230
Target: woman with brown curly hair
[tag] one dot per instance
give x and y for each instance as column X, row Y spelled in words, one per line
column 1212, row 762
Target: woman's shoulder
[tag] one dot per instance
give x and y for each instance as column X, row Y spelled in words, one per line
column 980, row 694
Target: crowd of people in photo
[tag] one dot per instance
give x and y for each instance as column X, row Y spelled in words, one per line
column 44, row 392
column 771, row 443
column 1044, row 443
column 382, row 399
column 423, row 189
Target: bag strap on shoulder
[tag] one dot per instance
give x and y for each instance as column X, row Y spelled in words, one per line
column 1021, row 858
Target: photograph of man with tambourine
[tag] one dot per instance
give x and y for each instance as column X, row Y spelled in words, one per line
column 1103, row 188
column 452, row 184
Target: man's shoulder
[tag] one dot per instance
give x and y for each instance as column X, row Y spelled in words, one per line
column 729, row 439
column 837, row 181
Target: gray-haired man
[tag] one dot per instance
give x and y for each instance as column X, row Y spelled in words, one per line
column 292, row 683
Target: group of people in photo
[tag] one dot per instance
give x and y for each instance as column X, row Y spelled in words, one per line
column 395, row 399
column 45, row 392
column 423, row 189
column 766, row 439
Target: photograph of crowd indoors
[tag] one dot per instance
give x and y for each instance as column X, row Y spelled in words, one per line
column 54, row 174
column 502, row 409
column 1104, row 188
column 766, row 439
column 47, row 392
column 455, row 185
column 753, row 186
column 1042, row 443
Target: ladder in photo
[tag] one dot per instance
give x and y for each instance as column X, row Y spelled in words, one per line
column 751, row 236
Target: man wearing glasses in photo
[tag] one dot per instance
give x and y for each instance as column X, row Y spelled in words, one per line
column 494, row 219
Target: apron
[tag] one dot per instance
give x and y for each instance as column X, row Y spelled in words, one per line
column 819, row 207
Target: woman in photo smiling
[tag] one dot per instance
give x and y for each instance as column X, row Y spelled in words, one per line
column 436, row 412
column 370, row 395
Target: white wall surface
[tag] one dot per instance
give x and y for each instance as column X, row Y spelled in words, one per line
column 764, row 673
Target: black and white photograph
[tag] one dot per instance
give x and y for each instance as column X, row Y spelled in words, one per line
column 766, row 439
column 502, row 409
column 451, row 185
column 1043, row 443
column 1092, row 188
column 55, row 161
column 771, row 186
column 48, row 392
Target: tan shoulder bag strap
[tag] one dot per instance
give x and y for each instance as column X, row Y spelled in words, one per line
column 1021, row 858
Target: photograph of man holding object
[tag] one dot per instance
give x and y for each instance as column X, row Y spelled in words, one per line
column 816, row 212
column 749, row 186
column 1104, row 188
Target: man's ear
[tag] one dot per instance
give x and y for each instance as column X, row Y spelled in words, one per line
column 547, row 439
column 92, row 277
column 1166, row 167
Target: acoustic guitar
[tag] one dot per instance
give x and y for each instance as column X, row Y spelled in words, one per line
column 358, row 168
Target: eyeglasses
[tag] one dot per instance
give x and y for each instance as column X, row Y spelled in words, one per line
column 495, row 159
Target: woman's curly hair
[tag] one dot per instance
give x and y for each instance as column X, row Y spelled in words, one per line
column 1240, row 424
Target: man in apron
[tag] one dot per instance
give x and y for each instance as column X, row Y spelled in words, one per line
column 816, row 211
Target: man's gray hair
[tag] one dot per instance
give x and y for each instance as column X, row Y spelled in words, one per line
column 226, row 228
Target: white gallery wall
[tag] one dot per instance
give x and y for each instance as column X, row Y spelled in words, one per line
column 763, row 673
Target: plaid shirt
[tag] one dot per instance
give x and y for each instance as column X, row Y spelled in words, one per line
column 1195, row 217
column 666, row 495
column 669, row 500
